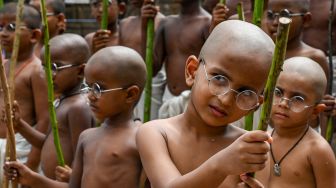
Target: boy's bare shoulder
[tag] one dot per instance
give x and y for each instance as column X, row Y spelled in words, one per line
column 317, row 144
column 128, row 20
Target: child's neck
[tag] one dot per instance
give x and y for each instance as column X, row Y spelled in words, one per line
column 119, row 120
column 75, row 89
column 294, row 44
column 191, row 8
column 25, row 56
column 289, row 132
column 113, row 27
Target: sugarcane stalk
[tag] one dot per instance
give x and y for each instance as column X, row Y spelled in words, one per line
column 48, row 73
column 240, row 11
column 149, row 65
column 222, row 2
column 330, row 125
column 249, row 122
column 1, row 3
column 104, row 21
column 258, row 11
column 276, row 67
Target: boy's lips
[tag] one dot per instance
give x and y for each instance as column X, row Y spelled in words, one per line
column 280, row 115
column 219, row 112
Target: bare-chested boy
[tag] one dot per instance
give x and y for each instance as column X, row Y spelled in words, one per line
column 110, row 37
column 72, row 111
column 299, row 12
column 200, row 148
column 300, row 157
column 55, row 17
column 177, row 37
column 30, row 84
column 106, row 156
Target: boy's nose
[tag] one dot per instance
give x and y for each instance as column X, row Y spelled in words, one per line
column 284, row 102
column 228, row 98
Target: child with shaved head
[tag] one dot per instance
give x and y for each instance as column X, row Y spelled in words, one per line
column 106, row 156
column 300, row 157
column 200, row 148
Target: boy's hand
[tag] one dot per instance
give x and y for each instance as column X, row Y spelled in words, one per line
column 14, row 170
column 249, row 182
column 149, row 10
column 248, row 153
column 219, row 14
column 329, row 101
column 63, row 173
column 100, row 40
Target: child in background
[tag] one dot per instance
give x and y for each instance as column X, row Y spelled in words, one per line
column 300, row 157
column 222, row 92
column 30, row 83
column 106, row 156
column 72, row 111
column 110, row 37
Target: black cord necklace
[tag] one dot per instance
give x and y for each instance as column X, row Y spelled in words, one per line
column 58, row 101
column 276, row 167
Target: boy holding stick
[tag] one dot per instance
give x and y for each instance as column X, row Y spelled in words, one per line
column 106, row 156
column 72, row 111
column 300, row 157
column 219, row 96
column 30, row 84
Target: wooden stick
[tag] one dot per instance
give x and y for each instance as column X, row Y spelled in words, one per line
column 277, row 62
column 240, row 11
column 330, row 124
column 258, row 12
column 149, row 65
column 52, row 112
column 104, row 21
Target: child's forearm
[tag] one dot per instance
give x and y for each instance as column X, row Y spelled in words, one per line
column 34, row 137
column 38, row 181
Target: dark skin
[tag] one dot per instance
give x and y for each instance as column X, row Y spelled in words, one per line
column 30, row 84
column 132, row 28
column 106, row 156
column 319, row 26
column 204, row 128
column 73, row 114
column 312, row 162
column 173, row 44
column 103, row 38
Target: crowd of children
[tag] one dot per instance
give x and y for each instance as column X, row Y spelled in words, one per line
column 210, row 71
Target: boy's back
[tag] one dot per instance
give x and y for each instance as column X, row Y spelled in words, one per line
column 177, row 37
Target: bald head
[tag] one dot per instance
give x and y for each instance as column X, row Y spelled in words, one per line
column 120, row 63
column 310, row 70
column 72, row 44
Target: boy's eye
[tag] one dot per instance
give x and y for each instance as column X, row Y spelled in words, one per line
column 277, row 92
column 297, row 100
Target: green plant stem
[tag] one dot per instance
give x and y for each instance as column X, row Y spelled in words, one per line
column 52, row 112
column 240, row 11
column 276, row 67
column 222, row 1
column 330, row 124
column 249, row 121
column 104, row 21
column 149, row 65
column 258, row 12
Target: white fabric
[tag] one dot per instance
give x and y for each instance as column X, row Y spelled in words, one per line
column 175, row 106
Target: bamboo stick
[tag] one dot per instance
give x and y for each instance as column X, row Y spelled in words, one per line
column 258, row 12
column 149, row 65
column 240, row 11
column 277, row 62
column 249, row 121
column 52, row 112
column 330, row 125
column 104, row 21
column 222, row 2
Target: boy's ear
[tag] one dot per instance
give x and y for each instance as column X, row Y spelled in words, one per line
column 61, row 24
column 319, row 108
column 36, row 35
column 122, row 8
column 307, row 18
column 192, row 65
column 133, row 94
column 261, row 101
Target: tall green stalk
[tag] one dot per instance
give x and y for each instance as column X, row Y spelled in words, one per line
column 149, row 65
column 52, row 112
column 240, row 11
column 330, row 124
column 222, row 1
column 258, row 12
column 277, row 62
column 104, row 21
